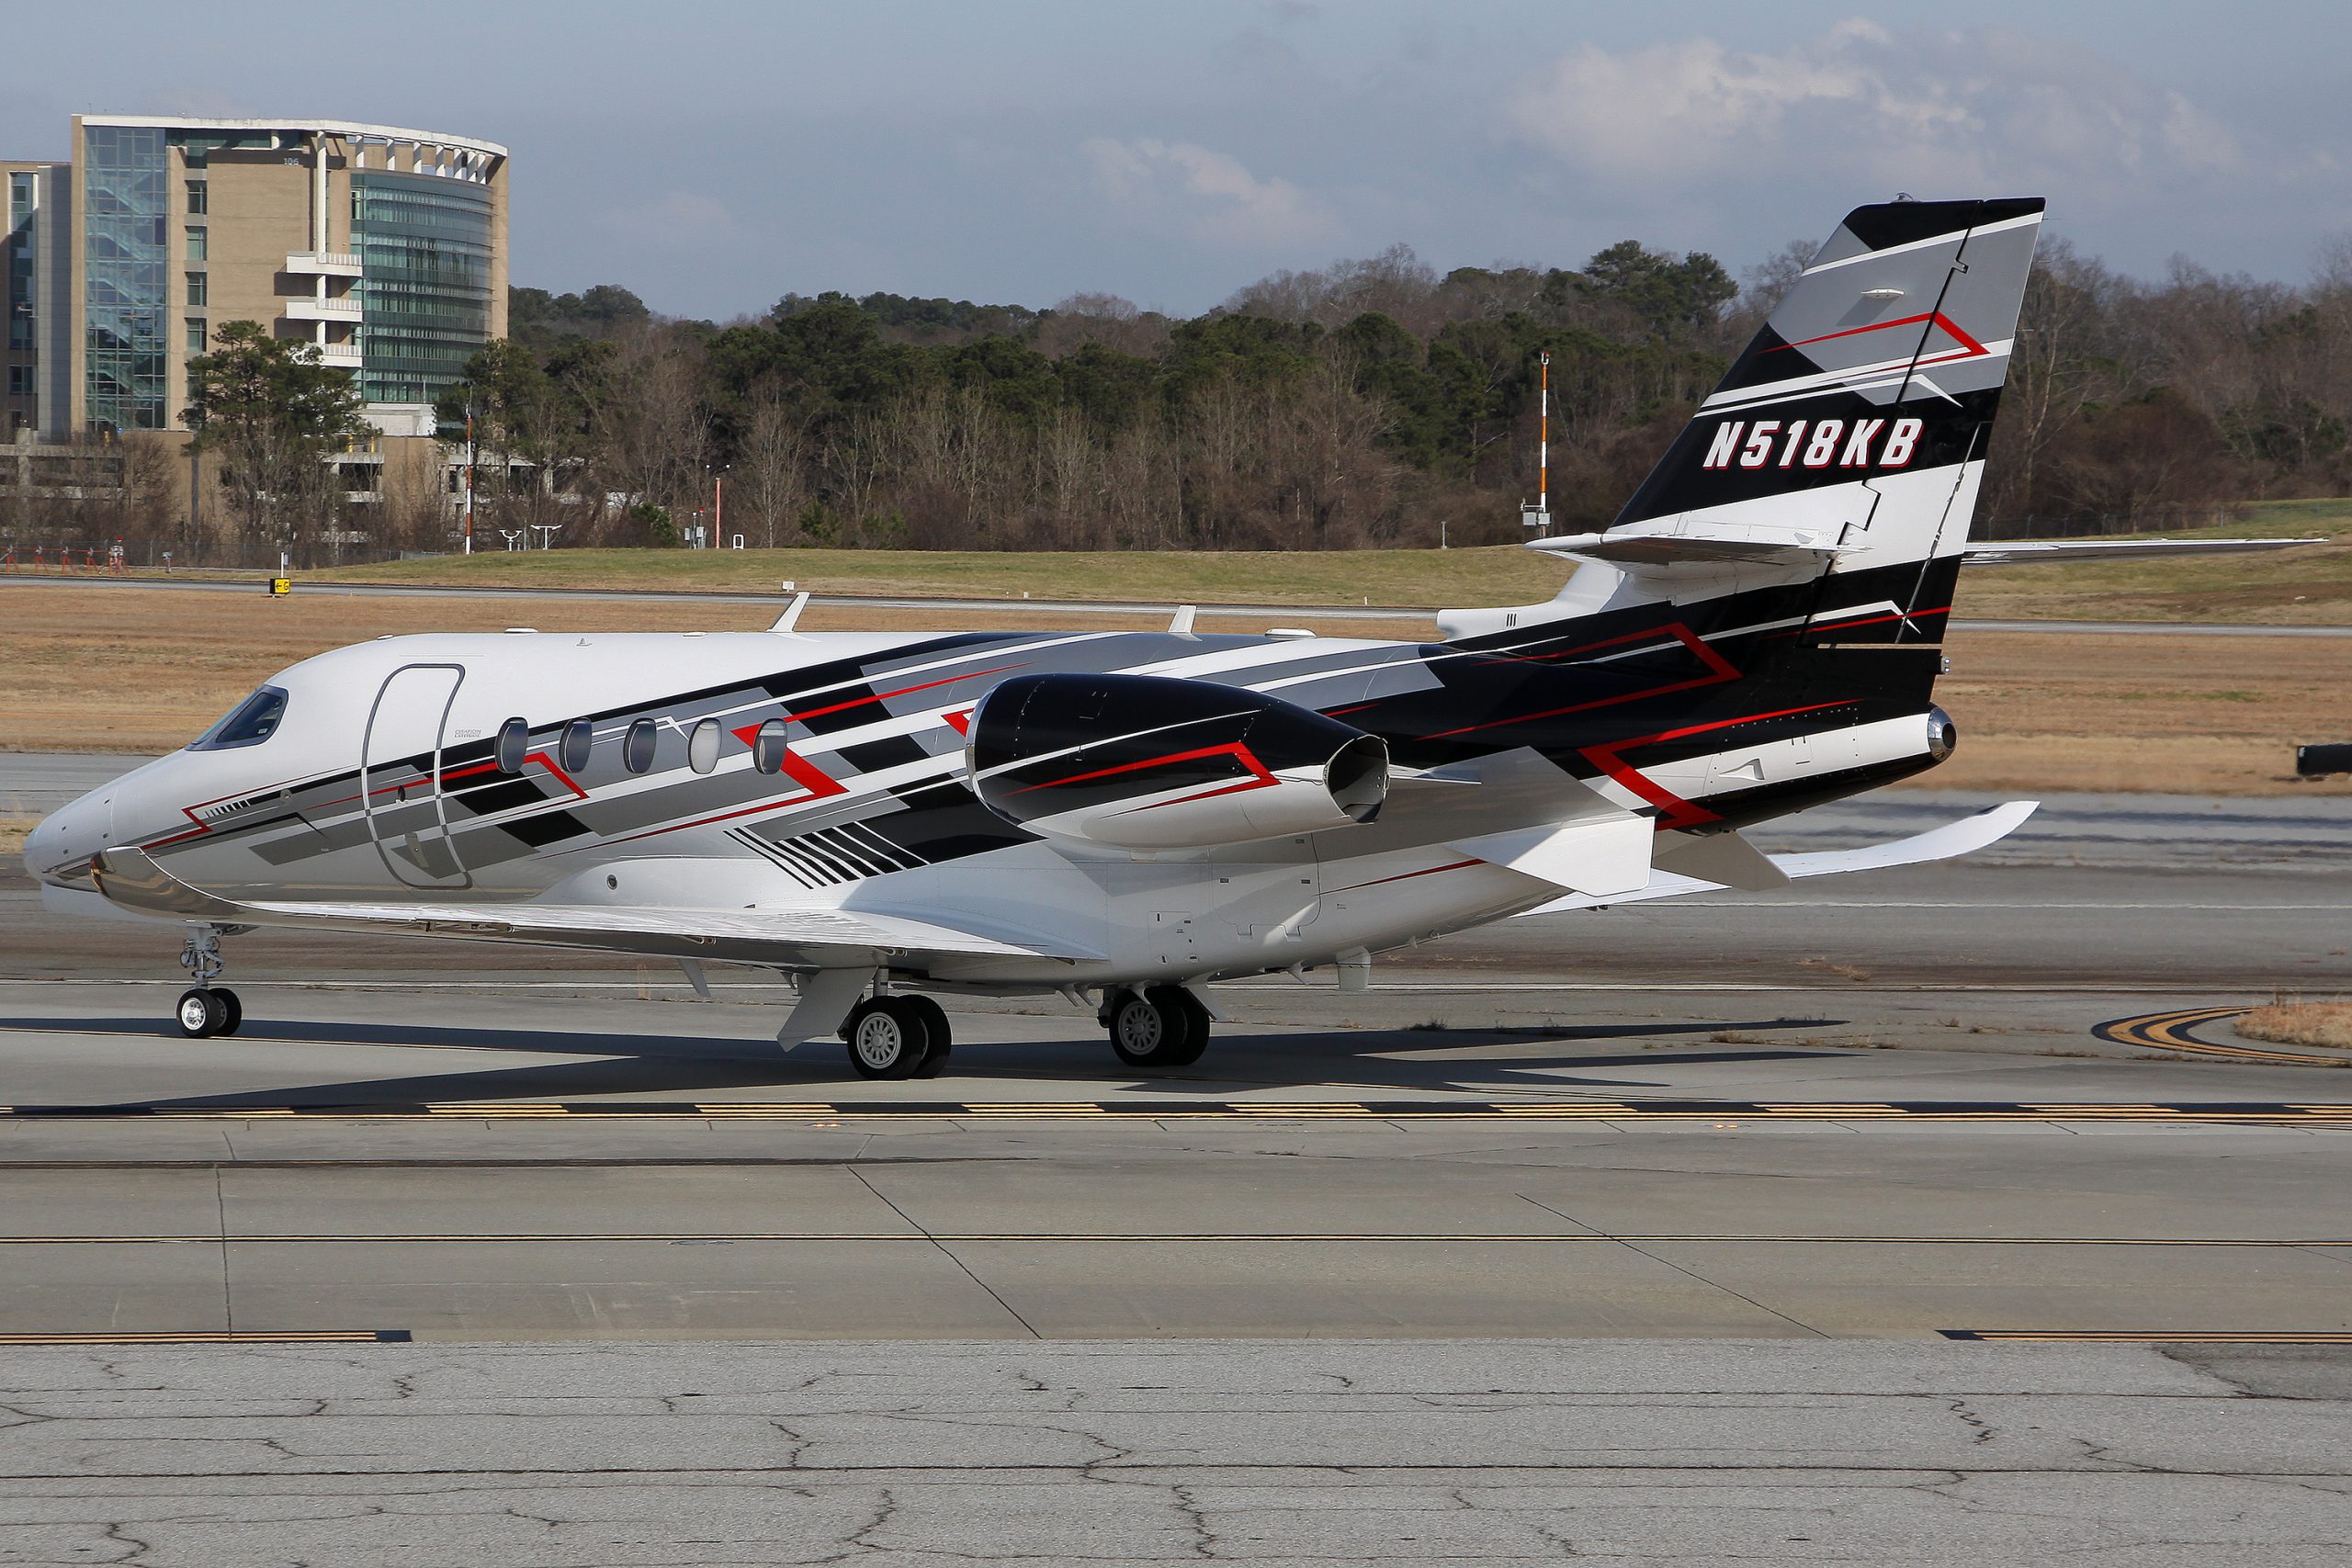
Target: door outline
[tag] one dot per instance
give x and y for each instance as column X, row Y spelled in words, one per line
column 369, row 767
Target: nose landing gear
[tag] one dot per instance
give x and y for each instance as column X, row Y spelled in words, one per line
column 206, row 1009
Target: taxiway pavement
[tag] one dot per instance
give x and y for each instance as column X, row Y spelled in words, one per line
column 1699, row 1230
column 1295, row 1454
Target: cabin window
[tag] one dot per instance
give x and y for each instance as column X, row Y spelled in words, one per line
column 513, row 745
column 637, row 747
column 768, row 747
column 579, row 736
column 249, row 723
column 702, row 746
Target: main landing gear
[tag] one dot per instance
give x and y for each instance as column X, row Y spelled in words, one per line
column 898, row 1037
column 1163, row 1026
column 206, row 1009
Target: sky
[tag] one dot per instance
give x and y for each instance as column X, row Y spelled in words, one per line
column 715, row 154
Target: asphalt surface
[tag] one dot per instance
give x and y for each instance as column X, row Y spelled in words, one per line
column 1330, row 1453
column 1639, row 1233
column 1057, row 606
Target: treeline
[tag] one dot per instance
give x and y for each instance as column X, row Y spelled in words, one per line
column 1357, row 405
column 1362, row 403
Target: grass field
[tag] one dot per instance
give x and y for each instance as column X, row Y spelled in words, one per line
column 2310, row 586
column 110, row 668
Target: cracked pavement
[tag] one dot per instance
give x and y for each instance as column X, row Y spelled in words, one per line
column 1276, row 1452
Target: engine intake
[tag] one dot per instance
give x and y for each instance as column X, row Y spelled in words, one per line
column 1152, row 762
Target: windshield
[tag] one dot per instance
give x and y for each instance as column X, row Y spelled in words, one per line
column 249, row 723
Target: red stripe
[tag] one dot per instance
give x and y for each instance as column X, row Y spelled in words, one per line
column 1675, row 812
column 1970, row 347
column 1233, row 749
column 1719, row 671
column 804, row 714
column 1406, row 876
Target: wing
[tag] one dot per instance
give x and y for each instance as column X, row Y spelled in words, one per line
column 799, row 938
column 2027, row 551
column 1952, row 839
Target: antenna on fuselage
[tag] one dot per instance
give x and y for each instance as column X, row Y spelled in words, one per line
column 791, row 615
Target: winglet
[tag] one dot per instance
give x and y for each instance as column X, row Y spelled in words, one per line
column 1180, row 623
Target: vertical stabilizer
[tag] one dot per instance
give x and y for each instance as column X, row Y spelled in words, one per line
column 1849, row 438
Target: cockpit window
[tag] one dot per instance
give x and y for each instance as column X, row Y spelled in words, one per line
column 249, row 723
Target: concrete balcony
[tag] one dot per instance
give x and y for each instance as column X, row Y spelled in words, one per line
column 307, row 309
column 342, row 356
column 322, row 264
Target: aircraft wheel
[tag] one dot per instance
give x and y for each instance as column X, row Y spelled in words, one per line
column 1197, row 1023
column 200, row 1013
column 942, row 1035
column 233, row 1010
column 887, row 1038
column 1153, row 1030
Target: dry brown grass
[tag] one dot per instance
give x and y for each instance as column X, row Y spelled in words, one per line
column 2191, row 714
column 100, row 668
column 2300, row 1023
column 112, row 669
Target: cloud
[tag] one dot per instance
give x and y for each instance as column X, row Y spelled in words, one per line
column 1942, row 113
column 1182, row 187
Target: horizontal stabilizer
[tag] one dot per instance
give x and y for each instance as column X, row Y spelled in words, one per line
column 1683, row 542
column 2023, row 552
column 1601, row 856
column 1968, row 834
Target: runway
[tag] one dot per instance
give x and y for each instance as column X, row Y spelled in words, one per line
column 1055, row 607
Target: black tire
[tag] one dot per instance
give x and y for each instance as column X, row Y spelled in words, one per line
column 232, row 1012
column 942, row 1035
column 198, row 1014
column 1197, row 1023
column 1151, row 1030
column 886, row 1038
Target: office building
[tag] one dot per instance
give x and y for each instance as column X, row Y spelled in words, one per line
column 383, row 248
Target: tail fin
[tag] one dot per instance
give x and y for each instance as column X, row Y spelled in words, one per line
column 1850, row 435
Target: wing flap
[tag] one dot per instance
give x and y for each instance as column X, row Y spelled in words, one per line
column 1599, row 857
column 1968, row 834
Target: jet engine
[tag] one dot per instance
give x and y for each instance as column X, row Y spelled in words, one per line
column 1152, row 763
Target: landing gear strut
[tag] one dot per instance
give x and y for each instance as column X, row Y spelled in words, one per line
column 1165, row 1026
column 206, row 1009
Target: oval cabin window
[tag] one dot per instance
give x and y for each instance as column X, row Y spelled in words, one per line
column 637, row 747
column 578, row 736
column 768, row 748
column 702, row 746
column 514, row 744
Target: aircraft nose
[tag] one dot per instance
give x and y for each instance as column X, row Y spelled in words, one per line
column 69, row 836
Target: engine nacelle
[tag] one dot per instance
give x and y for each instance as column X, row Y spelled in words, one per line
column 1152, row 763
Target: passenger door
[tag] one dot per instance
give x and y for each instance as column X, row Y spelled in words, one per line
column 399, row 775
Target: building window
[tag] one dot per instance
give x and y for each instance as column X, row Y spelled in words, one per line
column 196, row 232
column 195, row 334
column 195, row 288
column 198, row 199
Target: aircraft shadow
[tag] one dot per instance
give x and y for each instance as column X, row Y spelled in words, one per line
column 1401, row 1063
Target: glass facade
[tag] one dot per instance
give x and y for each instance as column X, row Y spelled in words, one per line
column 126, row 261
column 20, row 261
column 424, row 244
